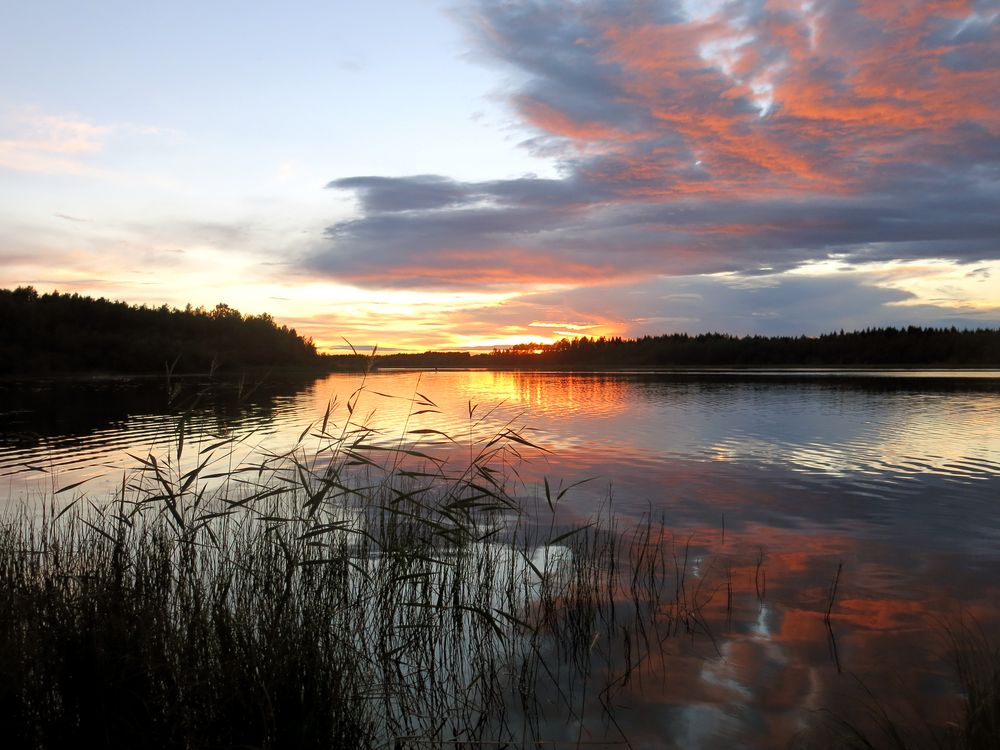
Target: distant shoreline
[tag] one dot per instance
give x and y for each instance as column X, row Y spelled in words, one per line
column 687, row 373
column 50, row 335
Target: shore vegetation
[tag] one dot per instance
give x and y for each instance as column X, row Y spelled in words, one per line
column 69, row 333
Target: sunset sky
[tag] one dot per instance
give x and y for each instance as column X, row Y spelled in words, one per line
column 456, row 175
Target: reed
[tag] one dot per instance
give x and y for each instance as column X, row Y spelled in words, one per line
column 351, row 592
column 878, row 721
column 977, row 666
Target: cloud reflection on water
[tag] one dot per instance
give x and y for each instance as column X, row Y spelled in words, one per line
column 764, row 486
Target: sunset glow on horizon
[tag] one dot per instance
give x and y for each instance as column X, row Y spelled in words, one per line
column 462, row 176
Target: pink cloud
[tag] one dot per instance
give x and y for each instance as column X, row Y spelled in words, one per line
column 763, row 136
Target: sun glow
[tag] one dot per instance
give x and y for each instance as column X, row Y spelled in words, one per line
column 504, row 342
column 945, row 284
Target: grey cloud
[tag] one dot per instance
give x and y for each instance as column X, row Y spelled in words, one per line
column 419, row 192
column 681, row 238
column 432, row 192
column 781, row 305
column 441, row 230
column 626, row 209
column 977, row 38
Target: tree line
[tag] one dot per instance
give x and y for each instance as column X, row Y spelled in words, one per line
column 52, row 333
column 912, row 346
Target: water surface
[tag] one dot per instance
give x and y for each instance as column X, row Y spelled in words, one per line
column 766, row 483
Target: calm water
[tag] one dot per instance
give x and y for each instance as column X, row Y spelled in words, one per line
column 767, row 483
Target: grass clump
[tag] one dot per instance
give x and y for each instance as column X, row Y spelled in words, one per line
column 875, row 722
column 120, row 634
column 361, row 593
column 977, row 666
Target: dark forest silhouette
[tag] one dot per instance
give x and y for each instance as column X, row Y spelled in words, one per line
column 873, row 347
column 52, row 333
column 891, row 347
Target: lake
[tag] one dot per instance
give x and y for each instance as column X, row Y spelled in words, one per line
column 768, row 484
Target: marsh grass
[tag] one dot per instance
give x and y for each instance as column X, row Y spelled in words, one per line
column 977, row 665
column 364, row 589
column 354, row 591
column 875, row 721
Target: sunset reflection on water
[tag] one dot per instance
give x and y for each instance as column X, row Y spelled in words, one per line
column 764, row 486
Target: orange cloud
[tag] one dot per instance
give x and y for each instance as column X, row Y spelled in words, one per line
column 837, row 112
column 51, row 144
column 551, row 120
column 756, row 136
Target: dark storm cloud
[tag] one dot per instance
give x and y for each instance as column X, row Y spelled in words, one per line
column 763, row 137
